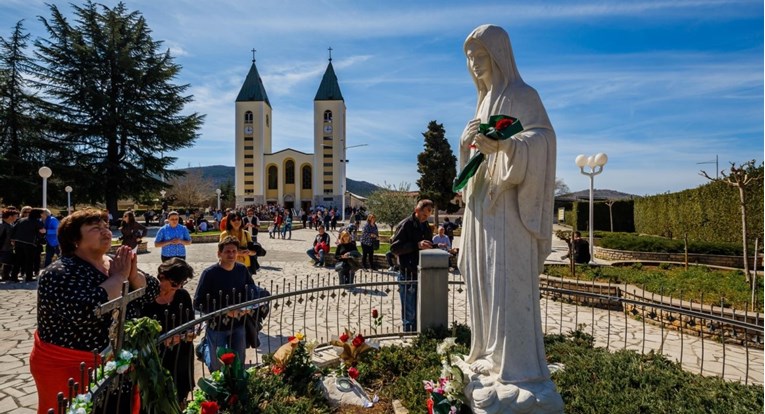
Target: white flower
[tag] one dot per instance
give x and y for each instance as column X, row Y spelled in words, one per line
column 311, row 345
column 81, row 411
column 110, row 367
column 126, row 355
column 122, row 368
column 446, row 345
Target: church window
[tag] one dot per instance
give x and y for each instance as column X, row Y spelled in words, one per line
column 329, row 173
column 328, row 198
column 250, row 174
column 247, row 155
column 248, row 138
column 327, row 192
column 327, row 155
column 249, row 199
column 327, row 138
column 328, row 164
column 249, row 164
column 267, row 123
column 249, row 183
column 248, row 147
column 249, row 191
column 327, row 116
column 273, row 180
column 248, row 117
column 307, row 177
column 289, row 172
column 328, row 182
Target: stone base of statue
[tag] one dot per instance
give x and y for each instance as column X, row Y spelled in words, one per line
column 345, row 391
column 486, row 395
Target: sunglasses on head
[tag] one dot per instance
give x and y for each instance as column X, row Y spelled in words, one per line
column 173, row 283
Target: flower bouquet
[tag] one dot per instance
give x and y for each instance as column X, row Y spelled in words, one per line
column 500, row 127
column 292, row 361
column 225, row 390
column 445, row 396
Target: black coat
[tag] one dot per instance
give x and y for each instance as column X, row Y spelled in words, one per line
column 404, row 243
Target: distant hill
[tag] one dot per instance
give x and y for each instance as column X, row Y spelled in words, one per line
column 219, row 174
column 596, row 195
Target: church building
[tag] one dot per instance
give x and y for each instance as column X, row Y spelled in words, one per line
column 289, row 177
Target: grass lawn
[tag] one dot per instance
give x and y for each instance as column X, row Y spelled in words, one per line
column 713, row 284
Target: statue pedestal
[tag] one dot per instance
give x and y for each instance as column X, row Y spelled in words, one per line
column 486, row 395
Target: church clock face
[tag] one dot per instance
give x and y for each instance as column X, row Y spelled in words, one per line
column 248, row 130
column 328, row 129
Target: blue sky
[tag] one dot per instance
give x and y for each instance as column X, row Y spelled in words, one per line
column 660, row 86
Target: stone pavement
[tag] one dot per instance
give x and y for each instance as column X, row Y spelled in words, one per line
column 287, row 259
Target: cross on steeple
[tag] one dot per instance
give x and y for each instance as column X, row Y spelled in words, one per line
column 253, row 55
column 330, row 53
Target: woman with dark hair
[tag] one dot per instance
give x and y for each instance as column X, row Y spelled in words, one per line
column 235, row 229
column 346, row 255
column 26, row 236
column 369, row 238
column 172, row 308
column 69, row 292
column 131, row 230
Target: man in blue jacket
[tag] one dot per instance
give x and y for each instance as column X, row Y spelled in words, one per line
column 51, row 237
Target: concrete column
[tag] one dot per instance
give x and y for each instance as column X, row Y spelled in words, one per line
column 432, row 290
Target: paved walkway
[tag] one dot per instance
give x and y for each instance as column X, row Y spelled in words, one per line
column 286, row 258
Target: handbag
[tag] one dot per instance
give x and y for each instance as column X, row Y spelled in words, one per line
column 252, row 326
column 257, row 248
column 376, row 244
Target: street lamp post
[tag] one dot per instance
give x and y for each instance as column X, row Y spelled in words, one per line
column 596, row 163
column 217, row 191
column 45, row 173
column 68, row 190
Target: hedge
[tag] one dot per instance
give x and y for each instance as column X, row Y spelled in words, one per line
column 710, row 212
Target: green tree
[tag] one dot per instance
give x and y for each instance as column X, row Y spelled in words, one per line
column 116, row 109
column 741, row 177
column 20, row 123
column 227, row 195
column 391, row 204
column 437, row 166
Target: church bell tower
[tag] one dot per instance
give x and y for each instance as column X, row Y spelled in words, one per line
column 329, row 141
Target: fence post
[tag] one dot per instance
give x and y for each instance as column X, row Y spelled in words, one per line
column 432, row 291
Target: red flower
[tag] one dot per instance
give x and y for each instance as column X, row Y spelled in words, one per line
column 344, row 337
column 375, row 314
column 290, row 338
column 358, row 340
column 277, row 369
column 228, row 358
column 353, row 372
column 209, row 407
column 233, row 399
column 503, row 123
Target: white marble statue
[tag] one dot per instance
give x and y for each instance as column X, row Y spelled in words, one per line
column 506, row 235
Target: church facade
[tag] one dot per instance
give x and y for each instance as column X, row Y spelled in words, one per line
column 289, row 177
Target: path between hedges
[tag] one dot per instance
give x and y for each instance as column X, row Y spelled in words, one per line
column 287, row 257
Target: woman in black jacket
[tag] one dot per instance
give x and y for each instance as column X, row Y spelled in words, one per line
column 346, row 254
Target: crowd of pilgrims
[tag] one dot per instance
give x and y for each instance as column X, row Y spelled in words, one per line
column 85, row 275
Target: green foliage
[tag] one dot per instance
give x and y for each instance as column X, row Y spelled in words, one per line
column 158, row 395
column 116, row 110
column 595, row 380
column 285, row 393
column 709, row 212
column 647, row 243
column 437, row 166
column 22, row 145
column 692, row 284
column 391, row 204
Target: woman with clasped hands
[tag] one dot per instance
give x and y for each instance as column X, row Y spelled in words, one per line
column 69, row 292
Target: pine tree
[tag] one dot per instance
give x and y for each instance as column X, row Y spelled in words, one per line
column 437, row 166
column 117, row 112
column 20, row 124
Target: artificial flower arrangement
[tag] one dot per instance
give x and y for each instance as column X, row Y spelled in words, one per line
column 500, row 127
column 140, row 360
column 445, row 396
column 292, row 361
column 225, row 389
column 349, row 350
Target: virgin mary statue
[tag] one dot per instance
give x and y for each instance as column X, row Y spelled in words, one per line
column 507, row 234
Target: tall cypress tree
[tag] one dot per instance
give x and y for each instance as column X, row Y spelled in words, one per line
column 116, row 109
column 437, row 166
column 20, row 124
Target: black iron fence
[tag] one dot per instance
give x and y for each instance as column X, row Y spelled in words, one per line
column 702, row 340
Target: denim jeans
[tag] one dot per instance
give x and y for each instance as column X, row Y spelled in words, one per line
column 408, row 296
column 316, row 258
column 230, row 338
